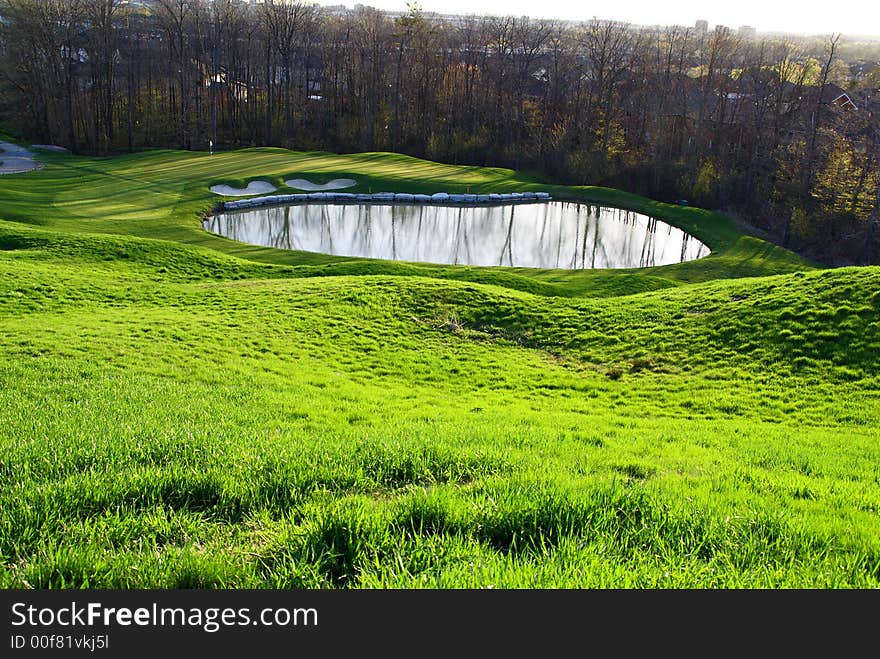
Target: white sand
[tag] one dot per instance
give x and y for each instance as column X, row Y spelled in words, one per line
column 254, row 187
column 335, row 184
column 16, row 159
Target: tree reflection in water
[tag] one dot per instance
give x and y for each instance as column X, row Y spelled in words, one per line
column 555, row 234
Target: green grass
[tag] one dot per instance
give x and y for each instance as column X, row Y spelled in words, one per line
column 180, row 410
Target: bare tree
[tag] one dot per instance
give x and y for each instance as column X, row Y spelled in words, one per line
column 175, row 16
column 745, row 125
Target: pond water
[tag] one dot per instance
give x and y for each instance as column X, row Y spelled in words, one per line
column 573, row 236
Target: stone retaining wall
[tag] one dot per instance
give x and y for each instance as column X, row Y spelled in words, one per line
column 438, row 198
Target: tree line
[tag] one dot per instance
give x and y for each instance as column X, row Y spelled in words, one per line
column 753, row 127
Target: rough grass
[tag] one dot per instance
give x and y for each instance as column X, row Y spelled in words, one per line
column 179, row 410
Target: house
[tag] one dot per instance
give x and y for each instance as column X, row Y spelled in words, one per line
column 221, row 80
column 837, row 97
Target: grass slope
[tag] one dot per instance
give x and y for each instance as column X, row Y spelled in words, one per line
column 179, row 410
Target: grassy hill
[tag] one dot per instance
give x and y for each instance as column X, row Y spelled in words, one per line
column 180, row 410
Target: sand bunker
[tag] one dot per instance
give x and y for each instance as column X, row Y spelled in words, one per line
column 16, row 159
column 254, row 187
column 335, row 184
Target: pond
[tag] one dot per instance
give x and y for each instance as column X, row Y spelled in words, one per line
column 556, row 234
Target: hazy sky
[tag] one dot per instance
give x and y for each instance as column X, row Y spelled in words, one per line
column 851, row 17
